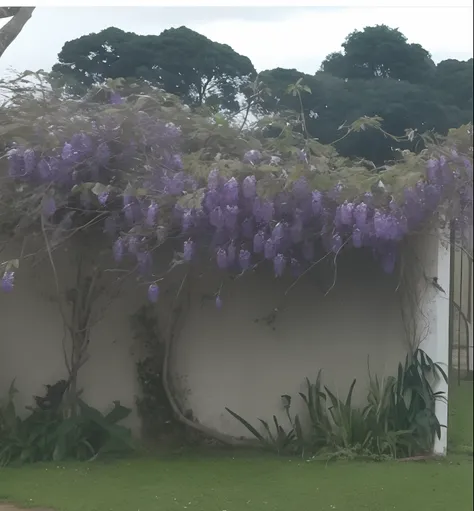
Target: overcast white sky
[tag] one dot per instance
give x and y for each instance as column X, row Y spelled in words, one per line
column 298, row 37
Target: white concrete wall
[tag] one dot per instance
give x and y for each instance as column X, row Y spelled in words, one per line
column 222, row 358
column 231, row 361
column 32, row 332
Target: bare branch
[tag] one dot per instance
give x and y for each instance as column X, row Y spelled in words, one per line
column 10, row 31
column 8, row 12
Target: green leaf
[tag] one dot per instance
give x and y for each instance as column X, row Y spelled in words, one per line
column 269, row 432
column 99, row 188
column 249, row 426
column 349, row 396
column 192, row 200
column 118, row 413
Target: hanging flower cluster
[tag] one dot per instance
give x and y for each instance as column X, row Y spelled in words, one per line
column 245, row 228
column 142, row 191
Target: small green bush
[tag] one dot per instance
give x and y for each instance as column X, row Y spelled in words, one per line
column 398, row 421
column 53, row 434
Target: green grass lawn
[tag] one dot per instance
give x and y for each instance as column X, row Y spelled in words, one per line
column 248, row 482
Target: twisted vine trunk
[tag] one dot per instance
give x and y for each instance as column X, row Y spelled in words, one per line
column 9, row 32
column 177, row 312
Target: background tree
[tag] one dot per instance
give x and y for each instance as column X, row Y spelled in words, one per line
column 380, row 52
column 93, row 58
column 378, row 74
column 454, row 79
column 333, row 102
column 9, row 32
column 180, row 60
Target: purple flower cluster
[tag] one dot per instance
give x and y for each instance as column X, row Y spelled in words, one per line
column 285, row 229
column 235, row 217
column 7, row 281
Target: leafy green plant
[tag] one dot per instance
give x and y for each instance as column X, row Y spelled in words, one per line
column 398, row 421
column 401, row 410
column 46, row 435
column 278, row 441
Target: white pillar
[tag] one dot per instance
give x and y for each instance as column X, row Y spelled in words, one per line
column 442, row 344
column 436, row 262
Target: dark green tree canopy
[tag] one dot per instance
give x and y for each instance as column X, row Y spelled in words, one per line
column 454, row 79
column 334, row 101
column 378, row 74
column 380, row 52
column 180, row 60
column 93, row 58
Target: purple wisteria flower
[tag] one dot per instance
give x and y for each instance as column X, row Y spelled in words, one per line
column 252, row 157
column 336, row 243
column 249, row 187
column 231, row 254
column 269, row 249
column 8, row 281
column 279, row 264
column 186, row 220
column 360, row 215
column 67, row 153
column 29, row 158
column 144, row 262
column 248, row 228
column 102, row 198
column 216, row 218
column 16, row 163
column 263, row 210
column 221, row 258
column 153, row 293
column 258, row 242
column 118, row 249
column 213, row 179
column 302, row 156
column 316, row 202
column 48, row 206
column 116, row 99
column 357, row 239
column 44, row 170
column 244, row 259
column 151, row 214
column 188, row 250
column 231, row 191
column 231, row 214
column 346, row 213
column 388, row 261
column 295, row 267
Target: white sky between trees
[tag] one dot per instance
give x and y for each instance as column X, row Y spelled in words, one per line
column 289, row 37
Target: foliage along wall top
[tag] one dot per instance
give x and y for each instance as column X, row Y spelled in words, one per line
column 144, row 168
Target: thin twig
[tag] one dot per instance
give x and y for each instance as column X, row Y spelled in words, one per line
column 58, row 292
column 335, row 266
column 306, row 272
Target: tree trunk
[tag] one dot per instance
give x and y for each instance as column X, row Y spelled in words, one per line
column 9, row 32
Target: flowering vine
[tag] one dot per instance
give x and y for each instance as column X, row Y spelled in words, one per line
column 132, row 175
